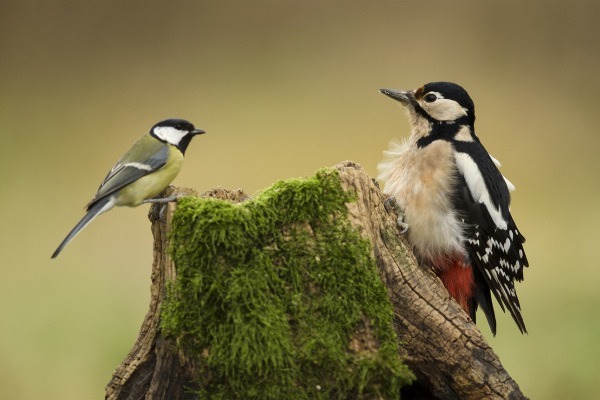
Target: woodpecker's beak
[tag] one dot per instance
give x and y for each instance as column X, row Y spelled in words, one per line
column 406, row 97
column 197, row 132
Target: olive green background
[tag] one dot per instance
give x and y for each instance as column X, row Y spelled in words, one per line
column 282, row 88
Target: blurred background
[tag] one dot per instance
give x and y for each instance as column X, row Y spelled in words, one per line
column 282, row 88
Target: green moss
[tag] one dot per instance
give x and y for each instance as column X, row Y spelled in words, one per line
column 271, row 292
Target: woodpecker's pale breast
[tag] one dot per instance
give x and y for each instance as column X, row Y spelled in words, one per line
column 422, row 180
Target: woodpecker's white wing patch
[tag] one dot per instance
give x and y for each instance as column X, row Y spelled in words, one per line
column 476, row 184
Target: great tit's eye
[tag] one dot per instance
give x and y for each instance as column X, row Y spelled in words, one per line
column 179, row 127
column 430, row 97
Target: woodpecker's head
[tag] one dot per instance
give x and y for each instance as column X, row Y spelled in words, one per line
column 437, row 102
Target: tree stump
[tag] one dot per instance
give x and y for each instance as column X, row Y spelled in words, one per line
column 439, row 342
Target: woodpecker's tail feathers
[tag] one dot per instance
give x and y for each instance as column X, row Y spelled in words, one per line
column 504, row 291
column 95, row 209
column 483, row 299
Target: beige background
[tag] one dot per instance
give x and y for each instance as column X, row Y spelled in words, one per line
column 282, row 88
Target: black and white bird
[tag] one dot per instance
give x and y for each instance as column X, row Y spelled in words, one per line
column 454, row 201
column 142, row 173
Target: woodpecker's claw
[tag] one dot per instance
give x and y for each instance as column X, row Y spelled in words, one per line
column 376, row 183
column 403, row 226
column 391, row 204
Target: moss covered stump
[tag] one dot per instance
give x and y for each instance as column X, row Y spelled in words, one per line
column 273, row 296
column 305, row 291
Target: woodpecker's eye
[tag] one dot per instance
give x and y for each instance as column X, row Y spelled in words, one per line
column 430, row 97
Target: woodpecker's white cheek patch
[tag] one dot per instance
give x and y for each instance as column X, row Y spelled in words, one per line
column 169, row 134
column 468, row 169
column 444, row 109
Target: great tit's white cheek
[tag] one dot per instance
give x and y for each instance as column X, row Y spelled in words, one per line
column 169, row 134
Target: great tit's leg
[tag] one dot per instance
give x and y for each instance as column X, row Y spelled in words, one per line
column 391, row 204
column 164, row 202
column 163, row 199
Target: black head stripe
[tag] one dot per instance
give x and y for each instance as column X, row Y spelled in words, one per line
column 443, row 131
column 183, row 143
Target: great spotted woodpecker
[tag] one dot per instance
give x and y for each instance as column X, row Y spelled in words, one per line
column 454, row 201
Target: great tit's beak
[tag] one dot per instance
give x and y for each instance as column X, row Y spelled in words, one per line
column 197, row 132
column 406, row 97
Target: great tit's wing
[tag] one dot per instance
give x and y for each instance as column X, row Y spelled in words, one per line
column 145, row 156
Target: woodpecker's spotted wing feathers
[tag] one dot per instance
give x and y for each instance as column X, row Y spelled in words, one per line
column 493, row 242
column 494, row 256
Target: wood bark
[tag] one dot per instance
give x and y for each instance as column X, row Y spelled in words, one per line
column 440, row 343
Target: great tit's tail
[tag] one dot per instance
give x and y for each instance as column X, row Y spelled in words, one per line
column 93, row 211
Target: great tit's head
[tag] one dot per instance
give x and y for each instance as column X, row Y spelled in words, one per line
column 175, row 131
column 437, row 102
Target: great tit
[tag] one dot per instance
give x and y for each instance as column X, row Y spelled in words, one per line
column 142, row 173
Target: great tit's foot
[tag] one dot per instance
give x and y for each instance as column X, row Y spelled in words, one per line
column 391, row 204
column 162, row 213
column 158, row 211
column 162, row 204
column 163, row 199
